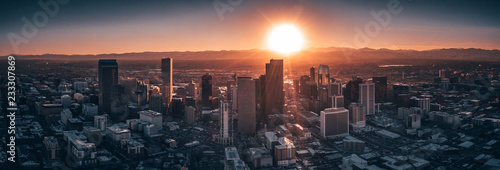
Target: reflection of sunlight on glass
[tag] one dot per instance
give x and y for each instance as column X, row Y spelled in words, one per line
column 285, row 39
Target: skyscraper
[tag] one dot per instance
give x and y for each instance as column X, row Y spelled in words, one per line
column 380, row 89
column 247, row 113
column 141, row 93
column 336, row 102
column 190, row 114
column 234, row 96
column 206, row 90
column 166, row 76
column 335, row 88
column 352, row 91
column 312, row 74
column 177, row 107
column 334, row 122
column 296, row 86
column 108, row 77
column 192, row 89
column 323, row 96
column 367, row 97
column 303, row 81
column 230, row 83
column 274, row 87
column 225, row 136
column 155, row 102
column 311, row 91
column 335, row 96
column 129, row 87
column 323, row 74
column 225, row 118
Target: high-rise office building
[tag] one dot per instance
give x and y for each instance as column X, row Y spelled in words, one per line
column 261, row 116
column 118, row 104
column 380, row 89
column 229, row 84
column 167, row 79
column 303, row 81
column 323, row 96
column 108, row 77
column 323, row 74
column 192, row 89
column 206, row 90
column 311, row 90
column 274, row 87
column 190, row 114
column 129, row 87
column 155, row 102
column 335, row 88
column 312, row 74
column 234, row 97
column 190, row 101
column 352, row 91
column 296, row 86
column 225, row 118
column 225, row 136
column 337, row 102
column 367, row 97
column 334, row 122
column 357, row 115
column 247, row 113
column 177, row 107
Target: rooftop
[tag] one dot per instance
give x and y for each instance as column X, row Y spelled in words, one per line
column 388, row 134
column 232, row 153
column 116, row 129
column 150, row 113
column 493, row 163
column 271, row 136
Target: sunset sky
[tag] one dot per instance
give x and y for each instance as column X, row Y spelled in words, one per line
column 95, row 27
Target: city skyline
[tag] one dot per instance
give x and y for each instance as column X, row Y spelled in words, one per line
column 241, row 85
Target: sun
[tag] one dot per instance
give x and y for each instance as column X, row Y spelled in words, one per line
column 285, row 39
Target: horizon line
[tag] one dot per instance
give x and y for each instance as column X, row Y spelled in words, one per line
column 263, row 49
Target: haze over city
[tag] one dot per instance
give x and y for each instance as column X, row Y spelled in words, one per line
column 240, row 85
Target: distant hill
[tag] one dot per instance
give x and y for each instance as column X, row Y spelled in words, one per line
column 313, row 54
